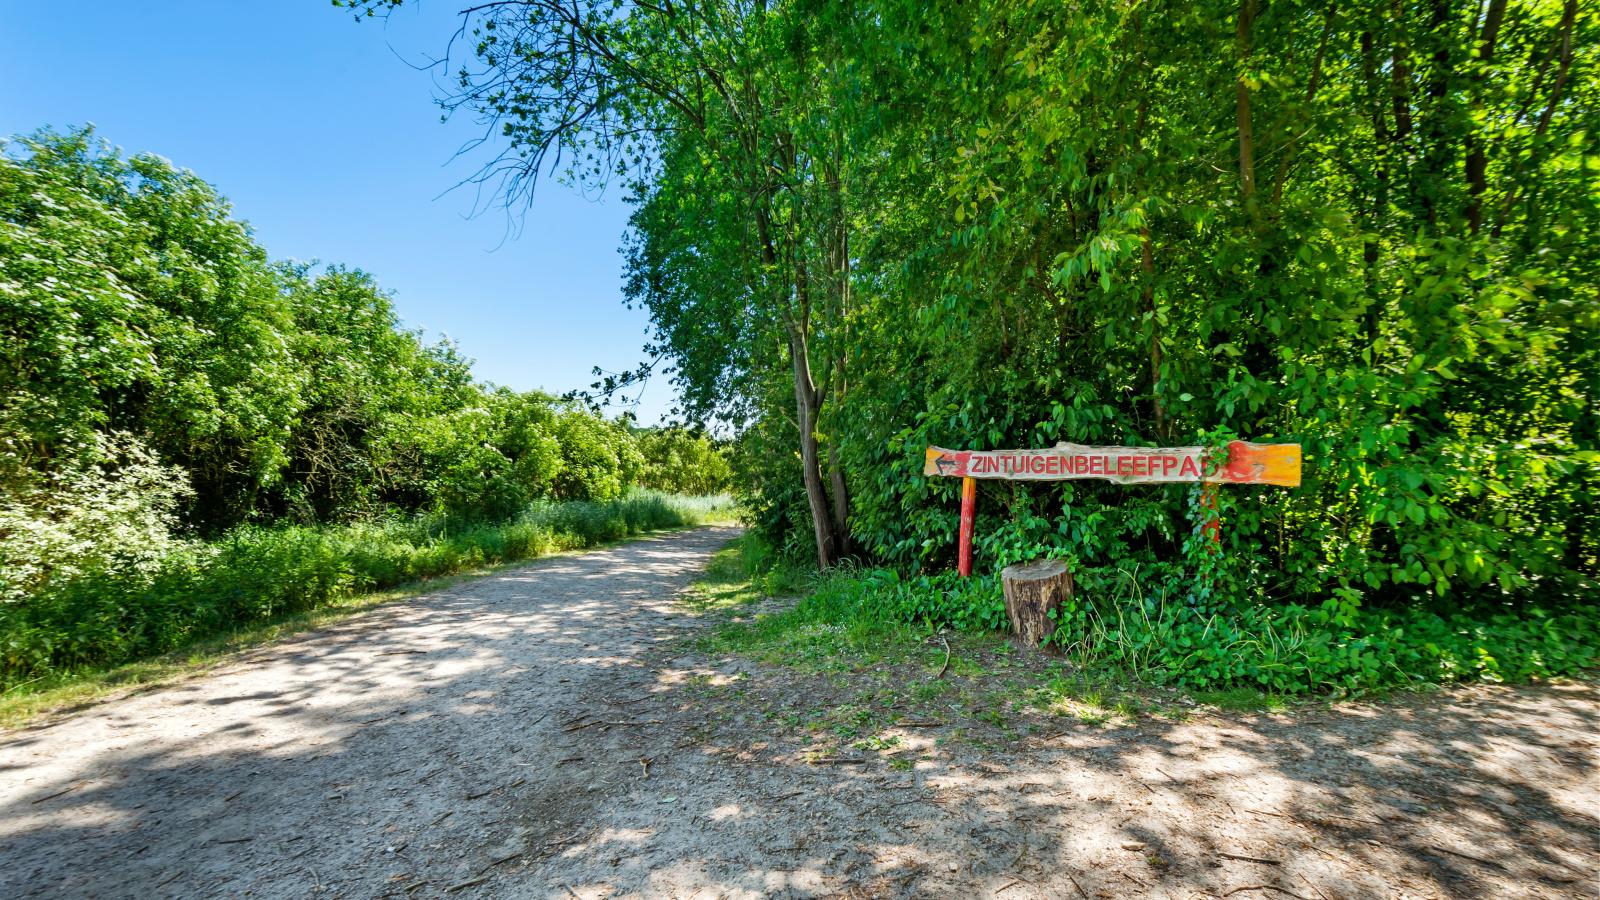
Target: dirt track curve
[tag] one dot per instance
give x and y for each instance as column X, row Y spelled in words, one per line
column 545, row 732
column 423, row 738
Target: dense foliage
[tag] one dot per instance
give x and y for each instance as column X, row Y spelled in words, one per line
column 681, row 462
column 134, row 308
column 192, row 589
column 1056, row 226
column 1121, row 623
column 165, row 382
column 863, row 228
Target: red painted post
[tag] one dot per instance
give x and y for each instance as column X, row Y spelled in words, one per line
column 969, row 502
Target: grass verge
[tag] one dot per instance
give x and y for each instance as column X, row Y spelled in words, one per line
column 876, row 649
column 855, row 671
column 62, row 691
column 727, row 582
column 1152, row 635
column 277, row 582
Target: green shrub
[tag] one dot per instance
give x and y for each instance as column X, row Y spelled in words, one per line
column 108, row 613
column 682, row 462
column 1160, row 636
column 599, row 459
column 111, row 509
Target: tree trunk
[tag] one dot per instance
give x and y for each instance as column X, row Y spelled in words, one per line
column 841, row 501
column 1477, row 154
column 1286, row 153
column 1033, row 590
column 1247, row 153
column 1569, row 14
column 839, row 280
column 1400, row 76
column 1437, row 157
column 805, row 401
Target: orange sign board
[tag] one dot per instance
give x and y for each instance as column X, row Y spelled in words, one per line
column 1247, row 463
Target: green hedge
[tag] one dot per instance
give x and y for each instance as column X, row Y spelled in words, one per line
column 101, row 618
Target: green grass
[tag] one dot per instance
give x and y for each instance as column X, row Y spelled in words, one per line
column 837, row 628
column 1148, row 633
column 727, row 582
column 817, row 634
column 874, row 644
column 58, row 691
column 1242, row 699
column 103, row 633
column 890, row 667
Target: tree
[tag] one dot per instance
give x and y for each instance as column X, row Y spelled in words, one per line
column 863, row 228
column 682, row 462
column 139, row 315
column 133, row 302
column 684, row 90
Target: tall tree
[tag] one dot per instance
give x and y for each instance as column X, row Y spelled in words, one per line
column 867, row 227
column 704, row 106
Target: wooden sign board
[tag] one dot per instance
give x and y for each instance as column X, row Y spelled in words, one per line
column 1247, row 464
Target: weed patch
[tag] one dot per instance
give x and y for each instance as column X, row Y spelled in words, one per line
column 1239, row 653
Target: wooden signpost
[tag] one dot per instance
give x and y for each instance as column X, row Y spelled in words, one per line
column 1247, row 463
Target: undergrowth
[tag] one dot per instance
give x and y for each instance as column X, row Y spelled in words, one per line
column 256, row 574
column 1157, row 634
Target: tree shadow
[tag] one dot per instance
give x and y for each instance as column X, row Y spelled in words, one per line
column 1472, row 792
column 545, row 732
column 303, row 763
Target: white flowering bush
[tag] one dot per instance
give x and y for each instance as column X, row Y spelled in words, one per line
column 111, row 515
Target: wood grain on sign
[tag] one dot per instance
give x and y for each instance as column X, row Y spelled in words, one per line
column 1247, row 464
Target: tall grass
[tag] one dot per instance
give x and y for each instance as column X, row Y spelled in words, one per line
column 104, row 617
column 1149, row 631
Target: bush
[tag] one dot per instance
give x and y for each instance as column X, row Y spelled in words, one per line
column 598, row 458
column 681, row 462
column 1160, row 637
column 104, row 615
column 1336, row 646
column 111, row 513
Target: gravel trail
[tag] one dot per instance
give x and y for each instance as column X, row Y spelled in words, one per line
column 549, row 732
column 422, row 741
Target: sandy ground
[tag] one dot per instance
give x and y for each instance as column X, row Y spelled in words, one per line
column 546, row 732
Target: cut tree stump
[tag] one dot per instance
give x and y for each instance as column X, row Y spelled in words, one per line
column 1032, row 591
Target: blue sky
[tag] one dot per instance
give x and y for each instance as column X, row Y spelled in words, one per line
column 329, row 144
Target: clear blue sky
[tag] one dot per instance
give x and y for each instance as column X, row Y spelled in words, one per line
column 331, row 147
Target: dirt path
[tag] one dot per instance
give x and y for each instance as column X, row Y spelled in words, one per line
column 545, row 732
column 419, row 742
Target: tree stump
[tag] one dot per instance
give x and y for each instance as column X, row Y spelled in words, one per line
column 1032, row 591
